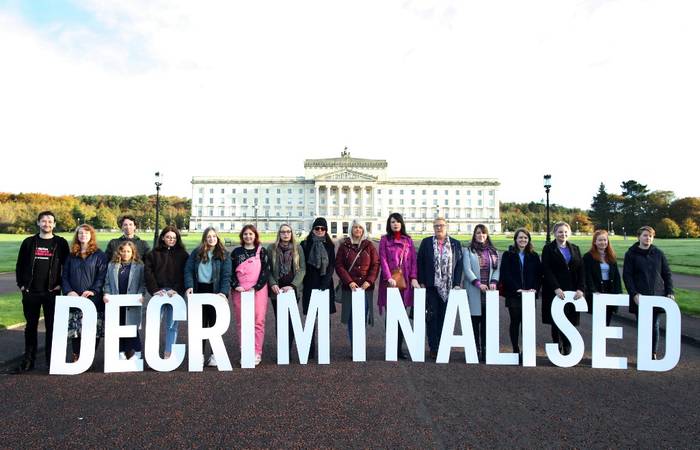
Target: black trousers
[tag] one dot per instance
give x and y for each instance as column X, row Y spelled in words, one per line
column 32, row 303
column 208, row 312
column 479, row 326
column 516, row 319
column 291, row 334
column 436, row 317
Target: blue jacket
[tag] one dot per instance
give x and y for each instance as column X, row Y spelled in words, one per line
column 221, row 273
column 80, row 275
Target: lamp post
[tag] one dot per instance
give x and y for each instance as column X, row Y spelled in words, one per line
column 158, row 184
column 577, row 227
column 506, row 232
column 547, row 186
column 624, row 235
column 437, row 211
column 612, row 227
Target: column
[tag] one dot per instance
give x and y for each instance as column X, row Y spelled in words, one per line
column 317, row 197
column 351, row 201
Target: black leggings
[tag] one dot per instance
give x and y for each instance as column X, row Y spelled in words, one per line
column 516, row 319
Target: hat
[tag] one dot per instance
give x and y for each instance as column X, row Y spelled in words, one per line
column 320, row 222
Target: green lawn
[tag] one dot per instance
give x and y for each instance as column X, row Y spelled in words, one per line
column 10, row 310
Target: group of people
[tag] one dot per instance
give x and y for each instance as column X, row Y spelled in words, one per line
column 47, row 265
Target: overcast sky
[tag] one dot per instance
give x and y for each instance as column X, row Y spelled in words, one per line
column 96, row 95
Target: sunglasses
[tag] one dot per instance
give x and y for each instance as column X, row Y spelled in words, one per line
column 319, row 228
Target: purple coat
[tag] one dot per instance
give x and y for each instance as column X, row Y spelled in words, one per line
column 389, row 256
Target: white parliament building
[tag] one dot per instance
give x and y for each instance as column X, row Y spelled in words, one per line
column 343, row 189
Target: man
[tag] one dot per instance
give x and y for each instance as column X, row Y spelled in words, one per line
column 128, row 225
column 38, row 272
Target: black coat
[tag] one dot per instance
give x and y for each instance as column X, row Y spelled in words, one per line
column 426, row 262
column 515, row 275
column 165, row 268
column 594, row 279
column 24, row 269
column 646, row 273
column 313, row 278
column 559, row 275
column 80, row 275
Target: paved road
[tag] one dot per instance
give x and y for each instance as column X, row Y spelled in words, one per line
column 372, row 404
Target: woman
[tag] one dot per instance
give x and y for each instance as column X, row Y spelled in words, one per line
column 521, row 271
column 165, row 270
column 319, row 253
column 481, row 274
column 250, row 274
column 397, row 259
column 602, row 274
column 562, row 269
column 287, row 269
column 208, row 271
column 84, row 276
column 357, row 266
column 646, row 272
column 125, row 276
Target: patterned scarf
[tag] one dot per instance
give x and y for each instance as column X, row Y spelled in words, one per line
column 443, row 268
column 318, row 256
column 479, row 247
column 284, row 258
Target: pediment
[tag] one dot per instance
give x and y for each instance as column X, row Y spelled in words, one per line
column 345, row 175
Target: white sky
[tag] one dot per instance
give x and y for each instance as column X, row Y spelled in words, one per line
column 588, row 90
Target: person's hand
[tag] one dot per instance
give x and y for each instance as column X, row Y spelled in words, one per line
column 559, row 293
column 105, row 298
column 275, row 289
column 189, row 291
column 160, row 292
column 87, row 294
column 391, row 282
column 21, row 288
column 636, row 299
column 493, row 286
column 365, row 285
column 521, row 290
column 415, row 284
column 483, row 287
column 353, row 286
column 239, row 289
column 287, row 289
column 456, row 288
column 141, row 299
column 171, row 293
column 578, row 295
column 72, row 294
column 251, row 290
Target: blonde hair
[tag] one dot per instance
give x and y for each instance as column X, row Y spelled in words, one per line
column 292, row 242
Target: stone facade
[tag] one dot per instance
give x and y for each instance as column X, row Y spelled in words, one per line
column 342, row 189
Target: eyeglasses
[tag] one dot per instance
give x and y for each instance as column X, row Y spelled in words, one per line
column 438, row 226
column 285, row 231
column 319, row 228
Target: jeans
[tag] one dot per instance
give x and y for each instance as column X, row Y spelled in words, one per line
column 171, row 327
column 655, row 328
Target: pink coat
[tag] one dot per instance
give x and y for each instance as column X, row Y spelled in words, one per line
column 389, row 257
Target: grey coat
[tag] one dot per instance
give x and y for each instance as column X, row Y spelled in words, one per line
column 297, row 282
column 137, row 285
column 472, row 272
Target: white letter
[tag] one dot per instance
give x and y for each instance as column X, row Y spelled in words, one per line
column 673, row 333
column 287, row 310
column 457, row 305
column 568, row 330
column 359, row 339
column 396, row 316
column 493, row 354
column 152, row 343
column 113, row 331
column 529, row 332
column 59, row 366
column 247, row 330
column 601, row 332
column 196, row 334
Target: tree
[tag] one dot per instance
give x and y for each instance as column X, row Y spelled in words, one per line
column 685, row 208
column 634, row 205
column 581, row 223
column 601, row 208
column 105, row 219
column 689, row 229
column 658, row 204
column 667, row 228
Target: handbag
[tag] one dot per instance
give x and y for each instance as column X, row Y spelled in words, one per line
column 397, row 273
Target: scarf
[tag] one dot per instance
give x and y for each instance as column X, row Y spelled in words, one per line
column 443, row 268
column 284, row 258
column 479, row 247
column 318, row 256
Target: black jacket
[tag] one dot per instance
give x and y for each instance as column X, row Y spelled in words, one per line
column 313, row 278
column 646, row 272
column 515, row 275
column 25, row 262
column 426, row 262
column 141, row 246
column 559, row 275
column 80, row 275
column 594, row 279
column 165, row 268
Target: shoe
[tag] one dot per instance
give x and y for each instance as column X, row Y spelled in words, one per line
column 258, row 360
column 122, row 356
column 433, row 355
column 129, row 354
column 76, row 356
column 401, row 354
column 520, row 358
column 26, row 365
column 212, row 361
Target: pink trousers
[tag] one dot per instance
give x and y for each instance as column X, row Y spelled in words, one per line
column 261, row 300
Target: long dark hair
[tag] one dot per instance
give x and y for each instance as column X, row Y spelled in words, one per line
column 178, row 244
column 481, row 227
column 528, row 247
column 399, row 218
column 219, row 252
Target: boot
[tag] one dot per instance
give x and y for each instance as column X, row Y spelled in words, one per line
column 27, row 363
column 399, row 350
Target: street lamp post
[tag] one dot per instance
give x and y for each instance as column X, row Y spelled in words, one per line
column 577, row 227
column 624, row 235
column 547, row 186
column 506, row 232
column 612, row 227
column 158, row 184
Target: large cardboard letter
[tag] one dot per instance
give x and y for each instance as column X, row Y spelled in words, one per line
column 601, row 332
column 529, row 331
column 114, row 331
column 457, row 306
column 396, row 316
column 247, row 330
column 196, row 334
column 673, row 334
column 493, row 354
column 359, row 338
column 59, row 366
column 152, row 343
column 287, row 310
column 568, row 329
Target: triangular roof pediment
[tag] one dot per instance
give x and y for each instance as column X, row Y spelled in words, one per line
column 345, row 175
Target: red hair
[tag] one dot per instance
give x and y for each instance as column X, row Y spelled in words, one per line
column 252, row 228
column 610, row 256
column 92, row 243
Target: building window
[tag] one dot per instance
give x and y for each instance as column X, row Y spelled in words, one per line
column 457, row 192
column 233, row 201
column 413, row 201
column 492, row 193
column 434, row 191
column 413, row 192
column 446, row 192
column 479, row 193
column 447, row 202
column 199, row 212
column 201, row 190
column 301, row 191
column 401, row 192
column 245, row 190
column 223, row 190
column 245, row 201
column 301, row 213
column 401, row 202
column 469, row 193
column 233, row 191
column 457, row 201
column 267, row 191
column 289, row 191
column 211, row 201
column 480, row 203
column 379, row 191
column 278, row 200
column 211, row 190
column 201, row 200
column 255, row 191
column 424, row 191
column 391, row 202
column 221, row 212
column 267, row 200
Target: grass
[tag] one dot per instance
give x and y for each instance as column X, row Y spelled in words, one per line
column 10, row 309
column 688, row 301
